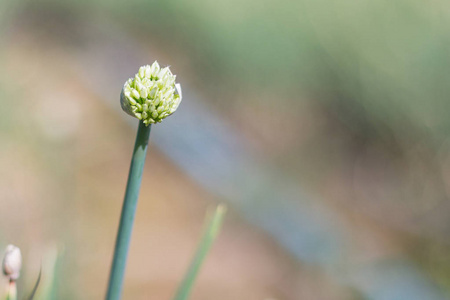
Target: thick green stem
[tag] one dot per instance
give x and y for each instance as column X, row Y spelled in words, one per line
column 128, row 213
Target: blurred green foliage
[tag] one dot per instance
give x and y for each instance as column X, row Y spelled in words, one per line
column 387, row 58
column 390, row 56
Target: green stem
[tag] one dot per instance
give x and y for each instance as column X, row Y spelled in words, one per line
column 12, row 290
column 210, row 234
column 128, row 213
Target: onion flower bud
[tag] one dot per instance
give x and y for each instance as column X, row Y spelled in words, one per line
column 151, row 95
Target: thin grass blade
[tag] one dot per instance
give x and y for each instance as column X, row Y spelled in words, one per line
column 212, row 228
column 36, row 285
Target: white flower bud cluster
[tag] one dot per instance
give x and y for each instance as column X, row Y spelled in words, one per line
column 151, row 95
column 12, row 262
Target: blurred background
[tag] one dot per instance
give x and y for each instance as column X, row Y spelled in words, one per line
column 324, row 125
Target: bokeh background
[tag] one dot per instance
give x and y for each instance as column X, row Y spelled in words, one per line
column 324, row 125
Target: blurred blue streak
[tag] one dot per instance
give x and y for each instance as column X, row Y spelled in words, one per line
column 207, row 150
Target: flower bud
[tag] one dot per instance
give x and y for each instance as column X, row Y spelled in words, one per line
column 151, row 95
column 12, row 262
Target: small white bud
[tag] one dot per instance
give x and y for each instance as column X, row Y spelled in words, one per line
column 148, row 71
column 139, row 106
column 143, row 92
column 155, row 69
column 12, row 262
column 142, row 72
column 135, row 94
column 139, row 86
